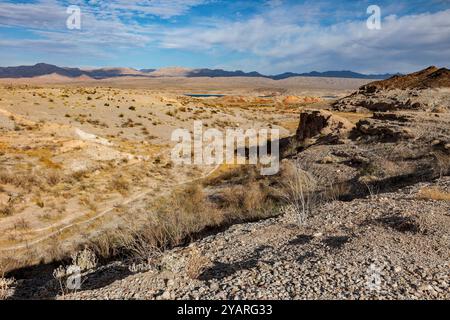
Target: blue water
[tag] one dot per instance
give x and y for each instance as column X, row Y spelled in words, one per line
column 330, row 97
column 205, row 95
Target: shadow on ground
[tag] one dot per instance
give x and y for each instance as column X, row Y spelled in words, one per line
column 38, row 282
column 222, row 270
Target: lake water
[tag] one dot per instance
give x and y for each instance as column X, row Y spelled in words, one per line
column 330, row 97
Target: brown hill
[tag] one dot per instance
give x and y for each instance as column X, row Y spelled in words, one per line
column 425, row 90
column 431, row 77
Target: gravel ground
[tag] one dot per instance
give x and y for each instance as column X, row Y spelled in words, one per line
column 389, row 246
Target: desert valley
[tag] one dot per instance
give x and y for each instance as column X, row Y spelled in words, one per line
column 359, row 210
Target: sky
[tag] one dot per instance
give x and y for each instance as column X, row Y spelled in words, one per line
column 268, row 36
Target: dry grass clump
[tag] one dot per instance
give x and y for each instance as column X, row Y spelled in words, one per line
column 6, row 178
column 433, row 193
column 300, row 192
column 196, row 264
column 237, row 175
column 169, row 222
column 442, row 162
column 120, row 184
column 250, row 200
column 6, row 210
column 77, row 176
column 185, row 212
column 85, row 259
column 89, row 203
column 53, row 177
column 244, row 194
column 335, row 192
column 5, row 287
column 6, row 284
column 28, row 180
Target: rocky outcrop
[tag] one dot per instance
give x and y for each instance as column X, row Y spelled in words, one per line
column 385, row 151
column 381, row 127
column 321, row 125
column 426, row 90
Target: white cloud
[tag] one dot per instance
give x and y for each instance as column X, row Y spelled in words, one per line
column 403, row 44
column 44, row 14
column 45, row 22
column 161, row 8
column 279, row 38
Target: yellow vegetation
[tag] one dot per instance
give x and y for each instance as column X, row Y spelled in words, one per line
column 433, row 194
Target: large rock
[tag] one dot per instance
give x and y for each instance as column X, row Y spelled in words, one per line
column 384, row 127
column 322, row 125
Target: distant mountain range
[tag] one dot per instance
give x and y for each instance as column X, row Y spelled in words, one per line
column 43, row 69
column 329, row 74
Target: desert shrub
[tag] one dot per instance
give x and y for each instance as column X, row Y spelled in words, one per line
column 139, row 245
column 61, row 274
column 6, row 210
column 21, row 224
column 196, row 264
column 77, row 176
column 6, row 285
column 371, row 169
column 107, row 244
column 22, row 180
column 247, row 200
column 240, row 175
column 442, row 162
column 300, row 192
column 6, row 288
column 81, row 261
column 185, row 212
column 120, row 184
column 6, row 178
column 170, row 221
column 334, row 192
column 85, row 259
column 89, row 203
column 53, row 178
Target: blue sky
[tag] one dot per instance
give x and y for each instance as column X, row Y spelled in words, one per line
column 271, row 36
